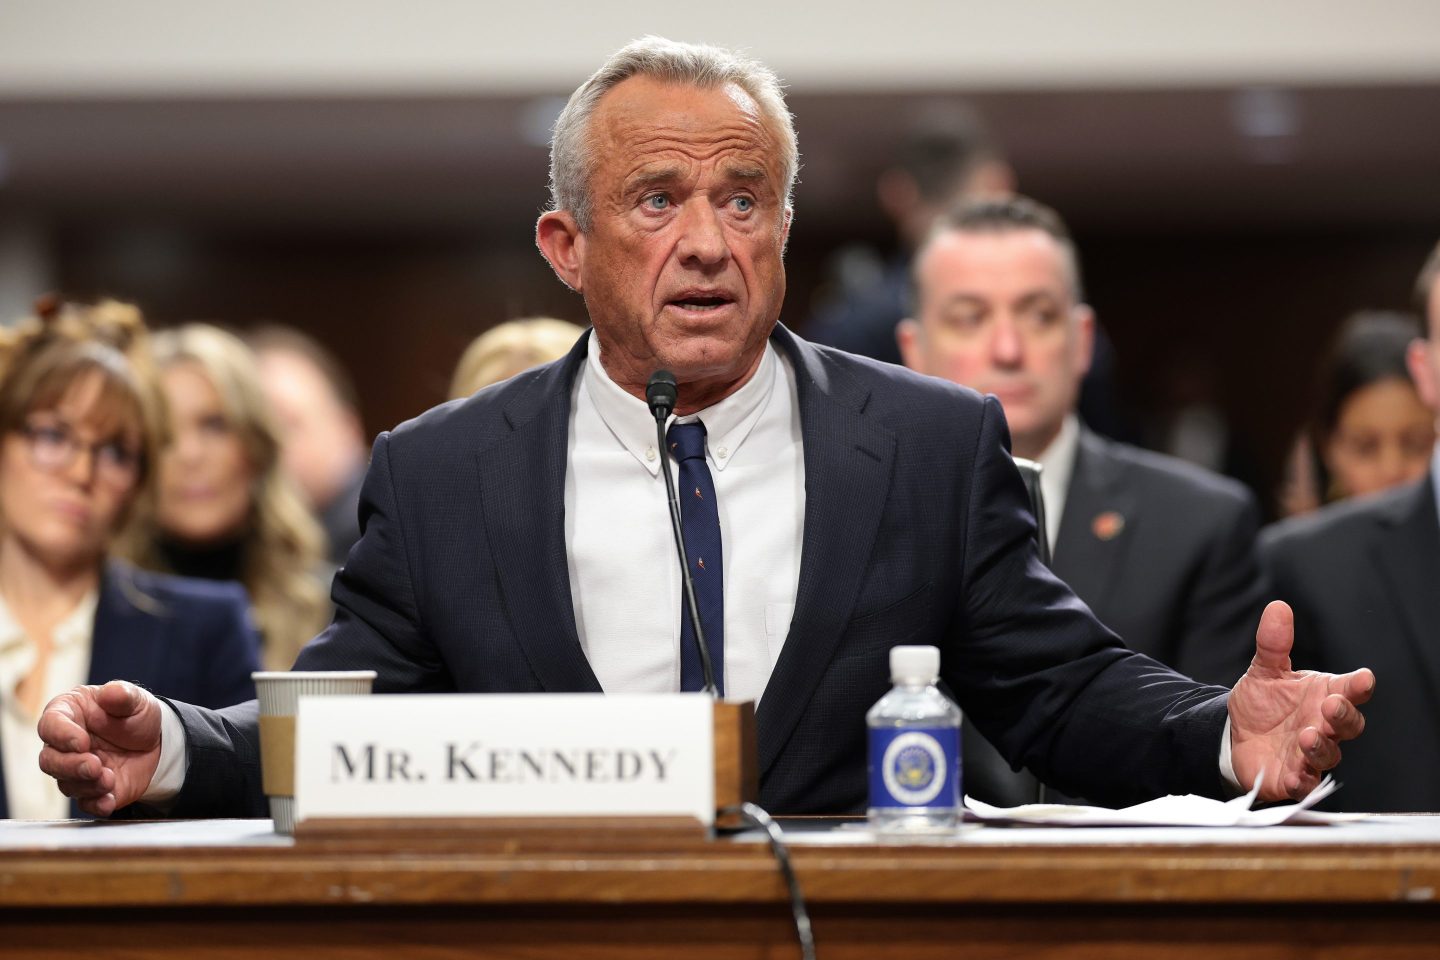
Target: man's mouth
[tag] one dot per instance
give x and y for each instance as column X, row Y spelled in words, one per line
column 701, row 304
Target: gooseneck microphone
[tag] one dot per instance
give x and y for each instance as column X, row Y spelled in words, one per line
column 661, row 392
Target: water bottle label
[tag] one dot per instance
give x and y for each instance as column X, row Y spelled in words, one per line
column 915, row 767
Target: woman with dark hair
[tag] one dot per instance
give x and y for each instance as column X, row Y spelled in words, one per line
column 81, row 428
column 1371, row 431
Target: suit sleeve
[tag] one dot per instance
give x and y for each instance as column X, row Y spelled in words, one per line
column 377, row 627
column 1222, row 610
column 1045, row 682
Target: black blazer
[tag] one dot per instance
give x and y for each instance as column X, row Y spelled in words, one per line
column 917, row 530
column 1364, row 579
column 189, row 639
column 1179, row 576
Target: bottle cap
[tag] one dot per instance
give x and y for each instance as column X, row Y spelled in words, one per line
column 914, row 664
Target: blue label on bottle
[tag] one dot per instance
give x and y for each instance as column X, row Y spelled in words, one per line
column 915, row 767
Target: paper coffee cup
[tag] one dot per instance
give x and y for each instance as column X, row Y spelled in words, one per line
column 279, row 693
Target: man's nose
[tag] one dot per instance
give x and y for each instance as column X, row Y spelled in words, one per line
column 702, row 237
column 1006, row 347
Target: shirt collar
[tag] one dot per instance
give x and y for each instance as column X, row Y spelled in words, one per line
column 1057, row 465
column 727, row 423
column 17, row 650
column 1435, row 475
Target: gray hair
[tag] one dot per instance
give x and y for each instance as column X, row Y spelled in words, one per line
column 697, row 65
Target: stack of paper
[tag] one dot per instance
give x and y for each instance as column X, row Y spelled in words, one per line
column 1173, row 811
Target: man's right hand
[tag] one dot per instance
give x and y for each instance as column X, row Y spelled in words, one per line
column 102, row 744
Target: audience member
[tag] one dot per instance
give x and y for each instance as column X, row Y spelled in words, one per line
column 1363, row 577
column 510, row 348
column 226, row 511
column 949, row 155
column 518, row 541
column 1371, row 431
column 82, row 424
column 1162, row 551
column 323, row 445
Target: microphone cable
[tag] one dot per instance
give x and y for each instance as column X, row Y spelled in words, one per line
column 755, row 816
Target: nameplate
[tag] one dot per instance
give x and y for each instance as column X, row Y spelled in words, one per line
column 504, row 755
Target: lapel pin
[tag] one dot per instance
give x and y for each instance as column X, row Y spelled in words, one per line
column 1107, row 526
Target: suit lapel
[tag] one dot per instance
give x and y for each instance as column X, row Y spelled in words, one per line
column 522, row 493
column 1408, row 559
column 1097, row 525
column 128, row 641
column 848, row 463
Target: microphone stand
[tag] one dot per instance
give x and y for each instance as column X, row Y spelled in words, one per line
column 661, row 393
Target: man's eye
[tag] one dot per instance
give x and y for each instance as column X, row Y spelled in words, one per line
column 657, row 201
column 743, row 204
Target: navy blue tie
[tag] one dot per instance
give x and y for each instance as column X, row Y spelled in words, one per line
column 700, row 518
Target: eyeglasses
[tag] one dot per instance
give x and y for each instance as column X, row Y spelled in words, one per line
column 54, row 447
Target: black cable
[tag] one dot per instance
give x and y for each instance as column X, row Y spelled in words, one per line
column 756, row 816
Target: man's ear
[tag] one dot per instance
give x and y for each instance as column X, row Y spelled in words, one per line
column 562, row 243
column 907, row 336
column 1084, row 338
column 1422, row 371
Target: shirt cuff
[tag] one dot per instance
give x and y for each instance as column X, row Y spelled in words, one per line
column 1227, row 766
column 174, row 764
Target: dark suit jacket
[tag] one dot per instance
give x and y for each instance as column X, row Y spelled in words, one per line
column 1180, row 580
column 1363, row 577
column 1172, row 566
column 917, row 530
column 189, row 639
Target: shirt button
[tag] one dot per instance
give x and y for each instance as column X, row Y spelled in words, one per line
column 722, row 453
column 649, row 453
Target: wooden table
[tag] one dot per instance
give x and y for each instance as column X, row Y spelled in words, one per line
column 1357, row 891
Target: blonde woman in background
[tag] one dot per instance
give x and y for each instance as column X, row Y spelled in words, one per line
column 81, row 428
column 513, row 347
column 225, row 510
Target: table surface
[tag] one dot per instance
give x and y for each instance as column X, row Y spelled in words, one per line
column 1385, row 860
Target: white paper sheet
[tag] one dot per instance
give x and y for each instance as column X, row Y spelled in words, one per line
column 1172, row 811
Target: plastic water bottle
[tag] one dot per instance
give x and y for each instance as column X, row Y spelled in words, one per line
column 914, row 748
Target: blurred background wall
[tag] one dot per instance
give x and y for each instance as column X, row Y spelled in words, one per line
column 1239, row 176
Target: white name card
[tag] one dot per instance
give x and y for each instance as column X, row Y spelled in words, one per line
column 510, row 755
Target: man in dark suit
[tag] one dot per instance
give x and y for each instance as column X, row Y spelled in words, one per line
column 1363, row 576
column 1161, row 551
column 497, row 555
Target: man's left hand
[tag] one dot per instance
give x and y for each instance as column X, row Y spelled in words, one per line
column 1288, row 724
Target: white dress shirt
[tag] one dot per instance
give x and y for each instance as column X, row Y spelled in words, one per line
column 1057, row 466
column 32, row 795
column 624, row 571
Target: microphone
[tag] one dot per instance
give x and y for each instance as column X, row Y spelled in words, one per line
column 661, row 392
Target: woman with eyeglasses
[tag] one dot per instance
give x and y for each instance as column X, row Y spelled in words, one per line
column 226, row 510
column 81, row 427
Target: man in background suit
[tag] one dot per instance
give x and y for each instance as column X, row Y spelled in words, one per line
column 517, row 540
column 1363, row 576
column 1162, row 551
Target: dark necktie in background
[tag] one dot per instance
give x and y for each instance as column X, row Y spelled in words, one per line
column 700, row 517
